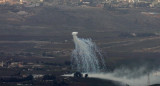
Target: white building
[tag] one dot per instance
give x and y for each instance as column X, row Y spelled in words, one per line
column 1, row 64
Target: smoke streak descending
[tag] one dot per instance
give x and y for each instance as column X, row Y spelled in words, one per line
column 86, row 57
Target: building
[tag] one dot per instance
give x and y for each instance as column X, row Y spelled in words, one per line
column 2, row 1
column 9, row 1
column 21, row 2
column 41, row 0
column 1, row 64
column 16, row 64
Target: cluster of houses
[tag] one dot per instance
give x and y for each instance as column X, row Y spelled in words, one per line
column 8, row 64
column 26, row 3
column 95, row 3
column 11, row 1
column 133, row 3
column 18, row 1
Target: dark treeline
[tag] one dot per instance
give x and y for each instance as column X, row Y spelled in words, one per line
column 16, row 79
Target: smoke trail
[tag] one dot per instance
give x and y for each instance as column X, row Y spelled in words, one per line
column 86, row 57
column 131, row 78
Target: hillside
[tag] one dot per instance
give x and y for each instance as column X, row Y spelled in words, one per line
column 119, row 33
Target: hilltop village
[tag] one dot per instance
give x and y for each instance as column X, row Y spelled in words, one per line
column 85, row 3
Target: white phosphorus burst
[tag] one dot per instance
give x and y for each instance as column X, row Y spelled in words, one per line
column 86, row 57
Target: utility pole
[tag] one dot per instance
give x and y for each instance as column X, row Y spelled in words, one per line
column 148, row 82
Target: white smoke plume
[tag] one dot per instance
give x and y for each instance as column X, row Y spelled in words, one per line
column 86, row 57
